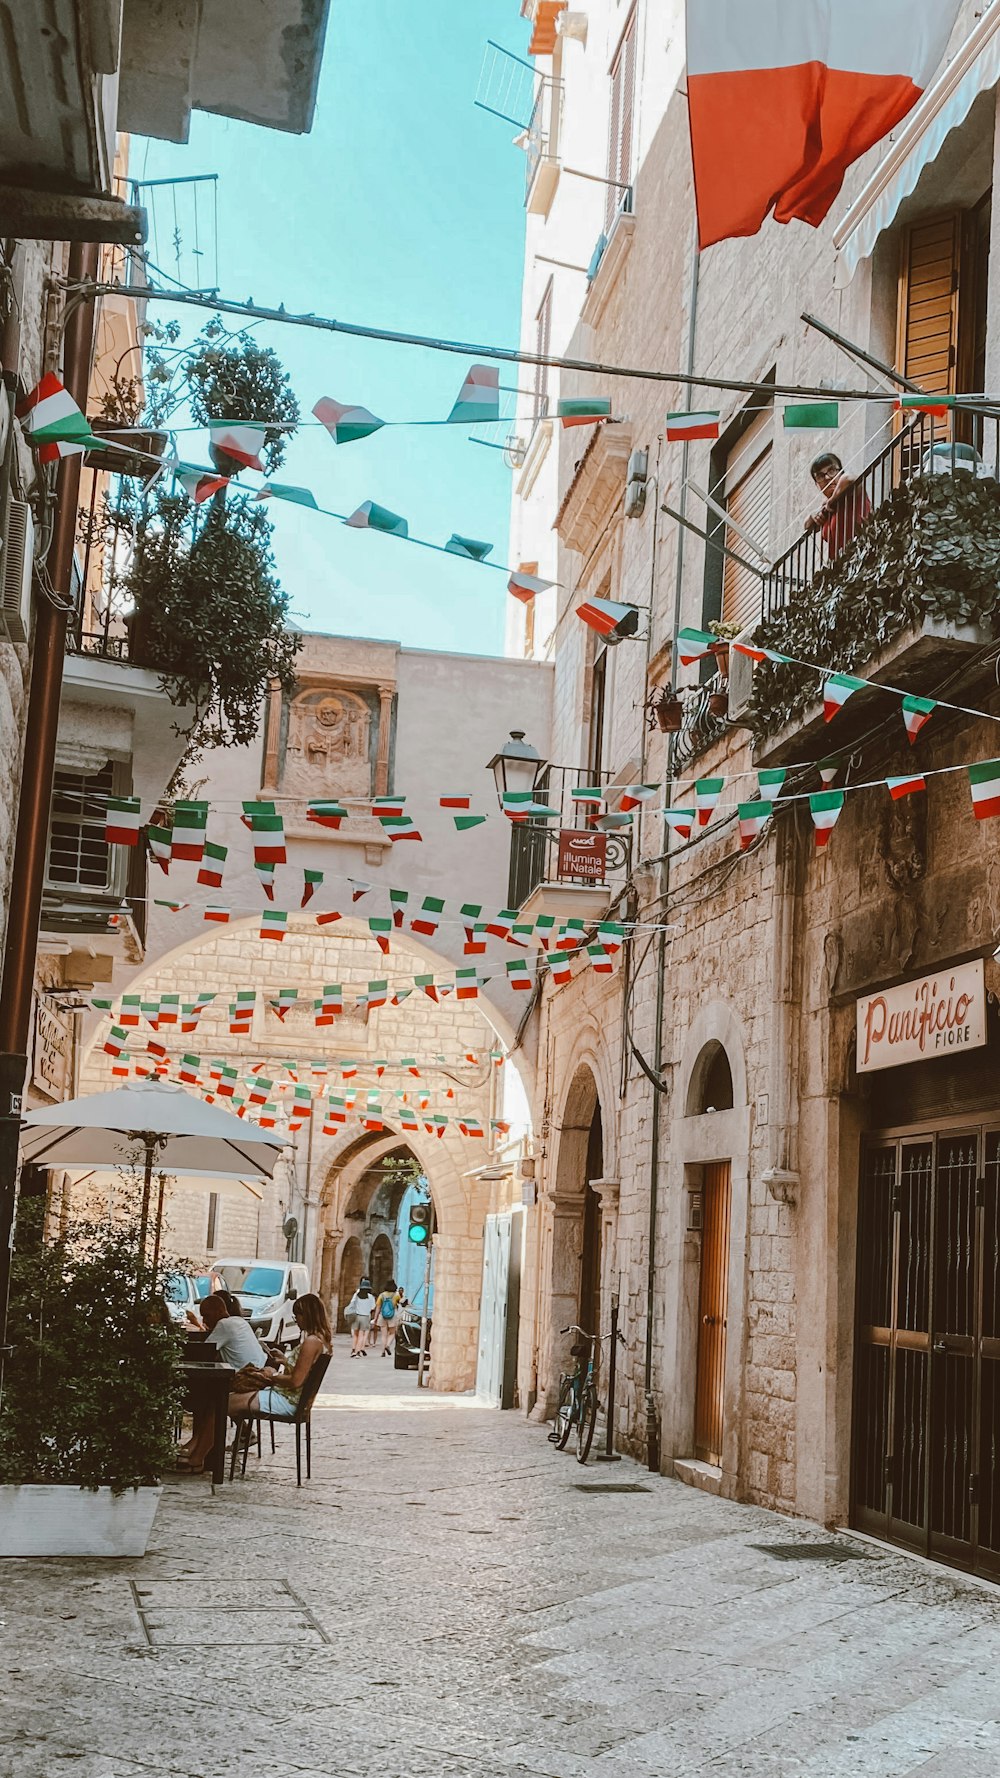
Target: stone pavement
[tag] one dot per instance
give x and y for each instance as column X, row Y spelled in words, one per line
column 451, row 1598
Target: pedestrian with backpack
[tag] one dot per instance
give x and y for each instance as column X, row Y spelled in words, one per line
column 387, row 1315
column 358, row 1316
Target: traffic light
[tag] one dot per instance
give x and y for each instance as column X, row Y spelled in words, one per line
column 419, row 1231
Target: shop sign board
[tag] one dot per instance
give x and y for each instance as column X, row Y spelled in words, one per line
column 583, row 855
column 939, row 1015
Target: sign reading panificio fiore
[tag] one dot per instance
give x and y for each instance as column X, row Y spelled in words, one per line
column 939, row 1015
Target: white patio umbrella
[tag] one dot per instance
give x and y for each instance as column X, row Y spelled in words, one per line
column 177, row 1133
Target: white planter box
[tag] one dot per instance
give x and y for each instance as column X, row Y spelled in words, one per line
column 49, row 1520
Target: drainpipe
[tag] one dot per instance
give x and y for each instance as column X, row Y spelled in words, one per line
column 782, row 1174
column 31, row 842
column 652, row 1417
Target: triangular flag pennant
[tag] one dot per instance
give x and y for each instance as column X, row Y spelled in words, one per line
column 344, row 423
column 464, row 822
column 590, row 794
column 426, row 921
column 358, row 889
column 917, row 711
column 682, row 428
column 984, row 782
column 283, row 1002
column 380, row 928
column 243, row 442
column 400, row 827
column 695, row 645
column 680, row 822
column 519, row 973
column 924, row 403
column 370, row 517
column 828, row 769
column 525, row 587
column 560, row 968
column 478, row 398
column 753, row 818
column 812, row 416
column 286, row 491
column 838, row 688
column 266, row 874
column 273, row 924
column 471, row 547
column 583, row 412
column 326, row 814
column 600, row 959
column 213, row 864
column 268, row 831
column 311, row 881
column 635, row 794
column 707, row 793
column 609, row 619
column 190, row 1070
column 159, row 840
column 428, row 985
column 330, row 1004
column 190, row 822
column 770, row 784
column 825, row 806
column 199, row 484
column 398, row 901
column 900, row 787
column 122, row 821
column 52, row 420
column 376, row 994
column 754, row 652
column 116, row 1041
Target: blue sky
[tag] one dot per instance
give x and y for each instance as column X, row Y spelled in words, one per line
column 403, row 209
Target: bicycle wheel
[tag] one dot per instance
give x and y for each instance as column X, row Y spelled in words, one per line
column 564, row 1415
column 586, row 1423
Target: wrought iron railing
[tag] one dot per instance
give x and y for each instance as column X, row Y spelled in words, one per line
column 534, row 845
column 542, row 132
column 959, row 443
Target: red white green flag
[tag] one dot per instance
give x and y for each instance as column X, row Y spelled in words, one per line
column 684, row 428
column 838, row 688
column 228, row 1082
column 475, row 940
column 380, row 927
column 429, row 986
column 909, row 786
column 479, row 397
column 984, row 782
column 191, row 1012
column 281, row 1003
column 583, row 412
column 680, row 822
column 268, row 830
column 190, row 823
column 468, row 983
column 600, row 959
column 828, row 769
column 241, row 1011
column 221, row 916
column 560, row 967
column 826, row 807
column 571, row 934
column 344, row 423
column 425, row 922
column 172, row 907
column 399, row 901
column 358, row 889
column 131, row 1009
column 917, row 711
column 770, row 784
column 400, row 827
column 199, row 484
column 273, row 924
column 635, row 794
column 326, row 814
column 753, row 818
column 707, row 793
column 519, row 973
column 609, row 618
column 520, row 805
column 754, row 652
column 695, row 645
column 328, row 917
column 241, row 441
column 612, row 935
column 387, row 805
column 122, row 821
column 925, row 404
column 213, row 864
column 376, row 994
column 53, row 423
column 266, row 874
column 458, row 801
column 311, row 881
column 260, row 1091
column 170, row 1009
column 470, row 1126
column 159, row 840
column 371, row 517
column 590, row 795
column 330, row 1004
column 116, row 1041
column 526, row 587
column 190, row 1070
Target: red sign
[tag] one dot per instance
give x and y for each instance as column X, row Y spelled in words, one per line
column 583, row 855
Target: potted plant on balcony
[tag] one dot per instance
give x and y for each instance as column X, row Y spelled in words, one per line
column 91, row 1393
column 726, row 633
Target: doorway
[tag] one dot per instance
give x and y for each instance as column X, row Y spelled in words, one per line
column 350, row 1278
column 590, row 1264
column 380, row 1265
column 713, row 1306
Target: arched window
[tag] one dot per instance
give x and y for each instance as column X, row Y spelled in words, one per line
column 711, row 1086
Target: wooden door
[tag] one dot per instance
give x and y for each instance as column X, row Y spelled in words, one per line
column 713, row 1304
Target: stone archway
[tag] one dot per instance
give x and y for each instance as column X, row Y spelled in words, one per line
column 381, row 1263
column 351, row 1268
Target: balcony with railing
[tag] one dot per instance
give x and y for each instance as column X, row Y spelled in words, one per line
column 541, row 147
column 900, row 582
column 571, row 866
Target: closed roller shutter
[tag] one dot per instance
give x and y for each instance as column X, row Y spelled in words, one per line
column 929, row 303
column 748, row 503
column 622, row 123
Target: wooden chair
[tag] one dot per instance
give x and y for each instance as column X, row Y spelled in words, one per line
column 251, row 1417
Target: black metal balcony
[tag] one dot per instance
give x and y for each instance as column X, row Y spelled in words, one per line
column 534, row 845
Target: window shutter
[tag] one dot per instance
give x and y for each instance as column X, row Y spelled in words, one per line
column 748, row 502
column 622, row 122
column 543, row 345
column 927, row 343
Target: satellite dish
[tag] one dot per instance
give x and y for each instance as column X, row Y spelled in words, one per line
column 290, row 1227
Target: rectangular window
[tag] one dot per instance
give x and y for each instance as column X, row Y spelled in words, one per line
column 621, row 127
column 79, row 856
column 747, row 499
column 543, row 346
column 212, row 1233
column 943, row 298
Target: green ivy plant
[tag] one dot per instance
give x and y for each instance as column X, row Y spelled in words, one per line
column 91, row 1388
column 931, row 550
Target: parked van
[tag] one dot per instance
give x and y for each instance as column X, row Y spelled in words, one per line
column 267, row 1289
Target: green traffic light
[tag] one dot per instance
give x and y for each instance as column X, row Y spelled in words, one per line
column 419, row 1234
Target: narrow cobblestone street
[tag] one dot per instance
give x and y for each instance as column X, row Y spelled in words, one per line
column 450, row 1598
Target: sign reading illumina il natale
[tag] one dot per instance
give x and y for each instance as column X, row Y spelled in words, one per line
column 939, row 1015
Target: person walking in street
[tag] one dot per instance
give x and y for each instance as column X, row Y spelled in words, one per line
column 358, row 1316
column 387, row 1315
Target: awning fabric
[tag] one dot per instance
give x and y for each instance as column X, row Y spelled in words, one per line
column 973, row 70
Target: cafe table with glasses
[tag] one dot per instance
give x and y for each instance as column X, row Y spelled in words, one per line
column 207, row 1382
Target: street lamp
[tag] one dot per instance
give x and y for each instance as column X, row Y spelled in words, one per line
column 517, row 767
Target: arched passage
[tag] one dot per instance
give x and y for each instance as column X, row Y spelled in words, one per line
column 351, row 1268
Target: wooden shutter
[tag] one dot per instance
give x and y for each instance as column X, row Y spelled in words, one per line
column 927, row 341
column 543, row 345
column 622, row 122
column 748, row 502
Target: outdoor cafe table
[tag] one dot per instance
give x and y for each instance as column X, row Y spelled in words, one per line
column 211, row 1383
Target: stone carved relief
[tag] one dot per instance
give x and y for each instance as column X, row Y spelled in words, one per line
column 328, row 748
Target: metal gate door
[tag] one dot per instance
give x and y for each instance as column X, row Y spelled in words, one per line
column 713, row 1301
column 927, row 1353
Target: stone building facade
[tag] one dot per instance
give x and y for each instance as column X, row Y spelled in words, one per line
column 708, row 1149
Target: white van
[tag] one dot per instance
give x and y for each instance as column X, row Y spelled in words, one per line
column 267, row 1289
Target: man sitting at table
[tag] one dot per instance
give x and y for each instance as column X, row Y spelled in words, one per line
column 236, row 1344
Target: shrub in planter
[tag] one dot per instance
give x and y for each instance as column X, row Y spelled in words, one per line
column 91, row 1387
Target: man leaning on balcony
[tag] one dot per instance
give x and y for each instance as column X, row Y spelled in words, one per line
column 845, row 503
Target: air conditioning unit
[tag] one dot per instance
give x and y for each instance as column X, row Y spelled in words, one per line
column 18, row 559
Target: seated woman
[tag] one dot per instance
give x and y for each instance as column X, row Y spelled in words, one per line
column 279, row 1390
column 236, row 1344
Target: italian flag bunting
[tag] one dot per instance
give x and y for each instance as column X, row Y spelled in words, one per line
column 400, row 827
column 400, row 995
column 683, row 428
column 591, row 795
column 635, row 794
column 600, row 959
column 228, row 1081
column 221, row 916
column 287, row 491
column 326, row 814
column 260, row 1091
column 268, row 830
column 583, row 412
column 241, row 1011
column 428, row 985
column 475, row 941
column 266, row 874
column 170, row 1008
column 273, row 924
column 479, row 397
column 695, row 645
column 268, row 1117
column 838, row 688
column 425, row 923
column 190, row 822
column 917, row 711
column 925, row 404
column 501, row 925
column 101, row 1006
column 311, row 881
column 190, row 1070
column 825, row 806
column 151, row 1013
column 380, row 927
column 754, row 652
column 398, row 901
column 812, row 416
column 328, row 917
column 376, row 994
column 470, row 1126
column 473, row 548
column 172, row 907
column 707, row 793
column 753, row 818
column 408, row 1120
column 358, row 889
column 609, row 618
column 611, row 934
column 571, row 934
column 984, row 781
column 243, row 442
column 282, row 1003
column 828, row 769
column 525, row 587
column 131, row 1009
column 770, row 784
column 302, row 1102
column 199, row 484
column 330, row 1004
column 344, row 423
column 372, row 517
column 387, row 805
column 122, row 821
column 51, row 419
column 213, row 863
column 468, row 983
column 191, row 1013
column 520, row 805
column 560, row 967
column 519, row 973
column 159, row 841
column 680, row 822
column 464, row 822
column 116, row 1041
column 899, row 787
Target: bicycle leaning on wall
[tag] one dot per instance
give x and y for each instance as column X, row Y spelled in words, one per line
column 578, row 1403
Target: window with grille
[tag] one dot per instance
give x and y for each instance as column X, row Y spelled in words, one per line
column 621, row 129
column 543, row 346
column 748, row 504
column 79, row 855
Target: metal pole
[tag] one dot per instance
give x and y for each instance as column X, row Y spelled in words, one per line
column 31, row 842
column 147, row 1186
column 609, row 1454
column 422, row 1357
column 159, row 1223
